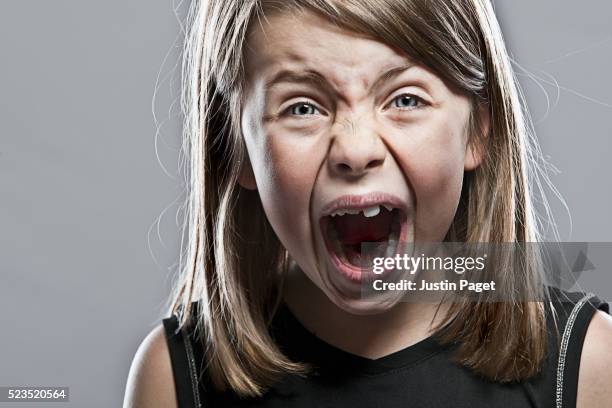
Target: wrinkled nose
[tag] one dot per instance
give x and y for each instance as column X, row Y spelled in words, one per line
column 355, row 150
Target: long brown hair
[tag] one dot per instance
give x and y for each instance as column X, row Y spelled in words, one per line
column 233, row 262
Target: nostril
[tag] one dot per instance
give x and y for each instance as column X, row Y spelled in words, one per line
column 374, row 163
column 344, row 168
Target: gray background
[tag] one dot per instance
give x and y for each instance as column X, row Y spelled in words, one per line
column 88, row 235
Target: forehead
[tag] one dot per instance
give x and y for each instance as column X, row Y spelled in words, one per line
column 305, row 41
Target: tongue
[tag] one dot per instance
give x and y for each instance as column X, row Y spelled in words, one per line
column 352, row 229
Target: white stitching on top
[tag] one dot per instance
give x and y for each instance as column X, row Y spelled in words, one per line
column 565, row 343
column 193, row 371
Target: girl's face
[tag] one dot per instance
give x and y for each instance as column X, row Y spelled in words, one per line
column 349, row 141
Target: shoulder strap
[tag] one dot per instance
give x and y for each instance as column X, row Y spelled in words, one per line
column 183, row 364
column 578, row 309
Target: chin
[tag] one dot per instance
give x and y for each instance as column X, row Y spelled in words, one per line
column 362, row 306
column 352, row 301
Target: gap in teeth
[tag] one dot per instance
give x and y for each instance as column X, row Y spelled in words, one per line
column 367, row 212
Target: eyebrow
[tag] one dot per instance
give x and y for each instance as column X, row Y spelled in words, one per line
column 390, row 74
column 313, row 77
column 306, row 77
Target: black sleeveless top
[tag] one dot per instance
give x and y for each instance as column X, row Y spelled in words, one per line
column 421, row 375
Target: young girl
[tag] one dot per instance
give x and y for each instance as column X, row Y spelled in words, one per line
column 313, row 127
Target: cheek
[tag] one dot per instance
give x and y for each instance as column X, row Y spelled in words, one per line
column 285, row 169
column 438, row 189
column 433, row 163
column 284, row 176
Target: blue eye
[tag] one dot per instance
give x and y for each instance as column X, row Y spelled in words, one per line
column 406, row 102
column 302, row 109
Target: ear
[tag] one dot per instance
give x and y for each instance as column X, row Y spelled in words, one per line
column 246, row 179
column 475, row 149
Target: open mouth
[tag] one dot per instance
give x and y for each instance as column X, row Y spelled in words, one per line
column 356, row 234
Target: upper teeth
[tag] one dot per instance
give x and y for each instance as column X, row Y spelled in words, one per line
column 367, row 212
column 371, row 212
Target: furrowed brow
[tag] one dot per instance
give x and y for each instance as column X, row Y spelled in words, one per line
column 314, row 78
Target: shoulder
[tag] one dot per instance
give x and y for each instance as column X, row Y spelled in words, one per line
column 595, row 375
column 150, row 382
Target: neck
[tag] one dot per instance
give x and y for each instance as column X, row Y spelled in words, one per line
column 370, row 336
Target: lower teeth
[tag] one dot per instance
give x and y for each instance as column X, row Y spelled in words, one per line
column 393, row 235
